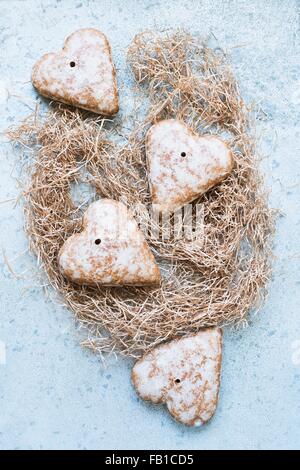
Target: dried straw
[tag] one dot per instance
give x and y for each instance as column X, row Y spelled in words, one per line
column 216, row 283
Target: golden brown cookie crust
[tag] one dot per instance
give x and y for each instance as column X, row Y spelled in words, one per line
column 111, row 250
column 82, row 74
column 183, row 165
column 184, row 374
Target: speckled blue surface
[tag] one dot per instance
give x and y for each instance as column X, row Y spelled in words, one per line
column 54, row 394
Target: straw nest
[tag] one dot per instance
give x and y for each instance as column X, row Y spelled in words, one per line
column 217, row 282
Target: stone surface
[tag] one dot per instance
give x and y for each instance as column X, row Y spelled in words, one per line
column 54, row 394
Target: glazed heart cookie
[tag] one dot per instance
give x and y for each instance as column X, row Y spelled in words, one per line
column 184, row 374
column 183, row 165
column 81, row 74
column 111, row 250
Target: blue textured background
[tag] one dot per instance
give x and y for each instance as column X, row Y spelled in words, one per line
column 54, row 394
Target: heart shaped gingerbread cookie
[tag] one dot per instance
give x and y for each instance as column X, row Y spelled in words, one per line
column 184, row 374
column 111, row 250
column 183, row 165
column 81, row 74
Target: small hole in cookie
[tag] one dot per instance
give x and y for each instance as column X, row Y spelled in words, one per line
column 72, row 64
column 183, row 154
column 97, row 241
column 177, row 381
